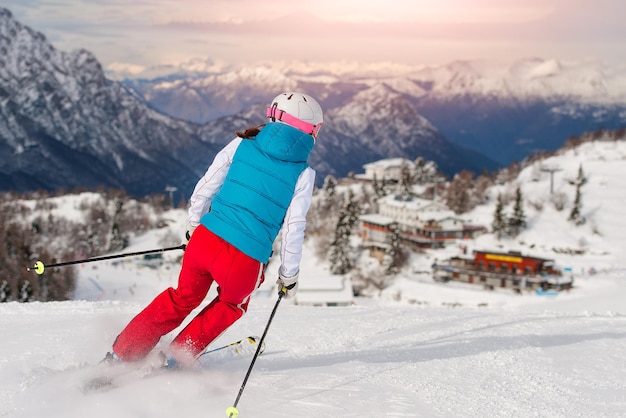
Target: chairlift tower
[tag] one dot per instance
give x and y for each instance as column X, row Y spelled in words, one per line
column 171, row 190
column 551, row 170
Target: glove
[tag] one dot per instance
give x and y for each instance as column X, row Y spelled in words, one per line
column 188, row 234
column 288, row 286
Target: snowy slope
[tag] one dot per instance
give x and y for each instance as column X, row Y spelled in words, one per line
column 421, row 349
column 536, row 357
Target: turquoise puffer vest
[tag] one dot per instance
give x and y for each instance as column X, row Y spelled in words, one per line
column 249, row 209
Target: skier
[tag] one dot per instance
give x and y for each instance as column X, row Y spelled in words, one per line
column 257, row 185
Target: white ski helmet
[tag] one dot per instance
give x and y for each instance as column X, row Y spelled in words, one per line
column 298, row 110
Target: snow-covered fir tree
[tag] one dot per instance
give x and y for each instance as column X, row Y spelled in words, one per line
column 424, row 171
column 581, row 178
column 352, row 209
column 340, row 258
column 405, row 182
column 498, row 225
column 26, row 292
column 393, row 253
column 330, row 185
column 517, row 221
column 576, row 215
column 107, row 219
column 340, row 254
column 378, row 186
column 329, row 200
column 5, row 291
column 117, row 242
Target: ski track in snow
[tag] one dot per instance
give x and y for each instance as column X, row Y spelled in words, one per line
column 374, row 359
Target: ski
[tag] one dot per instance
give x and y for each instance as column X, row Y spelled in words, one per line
column 242, row 347
column 116, row 375
column 110, row 376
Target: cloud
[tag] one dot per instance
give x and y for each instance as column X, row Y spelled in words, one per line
column 148, row 32
column 531, row 20
column 308, row 26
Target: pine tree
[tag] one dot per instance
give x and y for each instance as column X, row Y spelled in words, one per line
column 340, row 259
column 352, row 209
column 379, row 187
column 576, row 215
column 330, row 201
column 393, row 253
column 405, row 181
column 581, row 179
column 117, row 242
column 330, row 184
column 418, row 170
column 339, row 256
column 26, row 292
column 424, row 171
column 518, row 219
column 5, row 291
column 498, row 226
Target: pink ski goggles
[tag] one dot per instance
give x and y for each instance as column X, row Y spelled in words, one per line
column 280, row 115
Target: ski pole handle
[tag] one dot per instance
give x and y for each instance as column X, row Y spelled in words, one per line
column 283, row 291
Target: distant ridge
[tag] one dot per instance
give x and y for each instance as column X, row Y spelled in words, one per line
column 64, row 125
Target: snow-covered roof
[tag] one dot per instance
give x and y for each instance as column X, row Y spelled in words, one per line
column 442, row 217
column 333, row 290
column 376, row 219
column 414, row 203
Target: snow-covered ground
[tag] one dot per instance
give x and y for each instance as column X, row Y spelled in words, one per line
column 421, row 349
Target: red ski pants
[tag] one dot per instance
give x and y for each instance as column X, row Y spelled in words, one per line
column 207, row 258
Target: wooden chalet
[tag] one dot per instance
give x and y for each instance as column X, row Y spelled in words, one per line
column 422, row 223
column 510, row 270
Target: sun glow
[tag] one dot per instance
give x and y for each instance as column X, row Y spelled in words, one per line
column 403, row 31
column 443, row 11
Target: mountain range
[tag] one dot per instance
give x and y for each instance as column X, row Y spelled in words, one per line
column 504, row 111
column 65, row 122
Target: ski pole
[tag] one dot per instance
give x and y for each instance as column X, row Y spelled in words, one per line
column 39, row 266
column 232, row 412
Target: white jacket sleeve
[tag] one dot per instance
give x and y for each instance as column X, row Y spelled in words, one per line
column 294, row 225
column 208, row 186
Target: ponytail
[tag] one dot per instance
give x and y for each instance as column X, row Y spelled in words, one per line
column 249, row 133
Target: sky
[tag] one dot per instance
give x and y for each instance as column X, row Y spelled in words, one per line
column 414, row 32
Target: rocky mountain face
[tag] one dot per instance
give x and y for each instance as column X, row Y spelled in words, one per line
column 503, row 112
column 64, row 124
column 377, row 124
